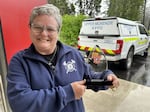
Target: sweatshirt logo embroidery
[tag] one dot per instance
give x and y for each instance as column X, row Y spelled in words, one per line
column 69, row 66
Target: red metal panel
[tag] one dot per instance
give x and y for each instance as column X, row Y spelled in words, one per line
column 14, row 17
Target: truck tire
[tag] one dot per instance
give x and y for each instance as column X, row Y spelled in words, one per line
column 145, row 53
column 126, row 63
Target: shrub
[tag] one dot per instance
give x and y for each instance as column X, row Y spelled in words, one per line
column 70, row 29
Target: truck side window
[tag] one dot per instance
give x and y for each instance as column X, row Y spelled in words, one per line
column 142, row 30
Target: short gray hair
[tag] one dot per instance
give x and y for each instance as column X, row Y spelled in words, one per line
column 46, row 9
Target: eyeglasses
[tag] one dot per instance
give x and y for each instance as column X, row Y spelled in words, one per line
column 39, row 29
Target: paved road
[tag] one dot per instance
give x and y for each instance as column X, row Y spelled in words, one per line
column 139, row 72
column 129, row 97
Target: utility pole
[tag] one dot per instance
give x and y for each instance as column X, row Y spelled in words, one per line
column 144, row 12
column 148, row 25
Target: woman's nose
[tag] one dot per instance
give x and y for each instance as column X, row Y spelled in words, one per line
column 44, row 32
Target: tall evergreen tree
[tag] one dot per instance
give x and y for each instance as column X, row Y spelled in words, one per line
column 130, row 9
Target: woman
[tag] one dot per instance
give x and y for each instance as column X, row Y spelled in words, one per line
column 48, row 76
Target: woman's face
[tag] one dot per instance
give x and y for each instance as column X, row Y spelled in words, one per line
column 44, row 34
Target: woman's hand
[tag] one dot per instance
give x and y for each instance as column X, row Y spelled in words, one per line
column 78, row 88
column 114, row 79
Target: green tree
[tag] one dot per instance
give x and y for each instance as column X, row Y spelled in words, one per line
column 71, row 28
column 130, row 9
column 63, row 5
column 89, row 7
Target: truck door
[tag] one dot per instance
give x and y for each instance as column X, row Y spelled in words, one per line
column 144, row 38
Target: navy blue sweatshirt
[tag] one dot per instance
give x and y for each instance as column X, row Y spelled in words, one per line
column 35, row 86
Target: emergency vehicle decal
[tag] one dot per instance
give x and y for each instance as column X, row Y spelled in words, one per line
column 106, row 51
column 130, row 39
column 140, row 42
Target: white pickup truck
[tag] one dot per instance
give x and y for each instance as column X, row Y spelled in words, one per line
column 119, row 38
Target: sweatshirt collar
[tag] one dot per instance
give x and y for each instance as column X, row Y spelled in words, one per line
column 32, row 53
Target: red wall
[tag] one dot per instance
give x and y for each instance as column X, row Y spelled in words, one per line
column 14, row 16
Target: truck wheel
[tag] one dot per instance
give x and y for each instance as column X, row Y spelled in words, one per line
column 145, row 53
column 126, row 63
